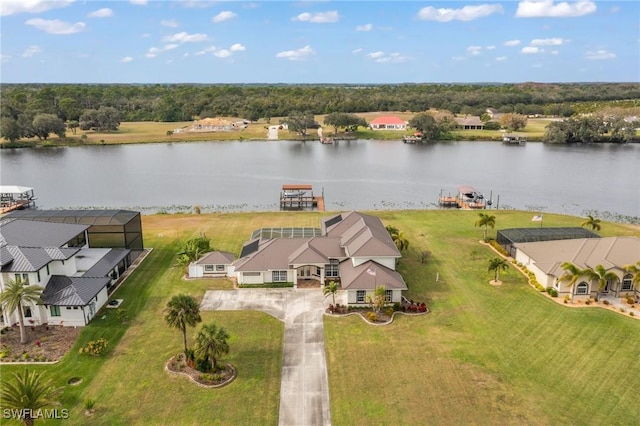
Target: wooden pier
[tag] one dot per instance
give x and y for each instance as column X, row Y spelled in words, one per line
column 467, row 198
column 300, row 197
column 14, row 197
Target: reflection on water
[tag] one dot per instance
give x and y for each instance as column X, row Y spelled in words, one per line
column 246, row 176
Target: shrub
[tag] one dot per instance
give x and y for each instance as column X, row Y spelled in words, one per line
column 206, row 377
column 605, row 302
column 95, row 347
column 203, row 365
column 389, row 311
column 122, row 315
column 89, row 404
column 630, row 300
column 371, row 316
column 567, row 298
column 397, row 306
column 587, row 302
column 498, row 248
column 631, row 314
column 623, row 310
column 552, row 292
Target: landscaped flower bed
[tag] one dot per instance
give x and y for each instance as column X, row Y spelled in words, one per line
column 384, row 315
column 221, row 377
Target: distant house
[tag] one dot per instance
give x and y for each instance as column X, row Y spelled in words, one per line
column 545, row 259
column 352, row 248
column 214, row 264
column 76, row 279
column 388, row 122
column 493, row 113
column 469, row 123
column 213, row 125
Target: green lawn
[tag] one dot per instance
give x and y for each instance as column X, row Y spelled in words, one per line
column 484, row 355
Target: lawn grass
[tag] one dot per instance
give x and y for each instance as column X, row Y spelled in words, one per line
column 484, row 355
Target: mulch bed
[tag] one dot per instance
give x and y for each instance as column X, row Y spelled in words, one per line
column 220, row 378
column 45, row 343
column 385, row 316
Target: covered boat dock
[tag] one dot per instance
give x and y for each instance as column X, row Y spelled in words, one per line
column 300, row 197
column 13, row 197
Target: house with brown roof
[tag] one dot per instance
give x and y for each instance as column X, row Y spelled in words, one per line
column 545, row 259
column 388, row 122
column 215, row 124
column 214, row 264
column 470, row 122
column 352, row 248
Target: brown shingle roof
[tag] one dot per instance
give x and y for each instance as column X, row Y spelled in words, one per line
column 369, row 275
column 216, row 258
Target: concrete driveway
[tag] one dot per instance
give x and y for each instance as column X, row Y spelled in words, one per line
column 304, row 387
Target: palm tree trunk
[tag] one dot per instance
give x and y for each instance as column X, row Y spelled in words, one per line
column 28, row 421
column 23, row 335
column 184, row 340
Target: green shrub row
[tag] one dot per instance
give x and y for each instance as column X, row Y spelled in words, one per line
column 266, row 285
column 498, row 248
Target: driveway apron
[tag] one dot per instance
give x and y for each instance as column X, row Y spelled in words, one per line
column 304, row 387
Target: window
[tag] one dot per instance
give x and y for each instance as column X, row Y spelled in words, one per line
column 55, row 311
column 318, row 271
column 332, row 270
column 388, row 295
column 627, row 282
column 582, row 288
column 220, row 268
column 360, row 294
column 208, row 268
column 279, row 276
column 26, row 310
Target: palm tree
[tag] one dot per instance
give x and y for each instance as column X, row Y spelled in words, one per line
column 398, row 238
column 592, row 222
column 572, row 273
column 331, row 289
column 634, row 270
column 182, row 310
column 15, row 295
column 496, row 264
column 486, row 220
column 602, row 276
column 211, row 342
column 27, row 393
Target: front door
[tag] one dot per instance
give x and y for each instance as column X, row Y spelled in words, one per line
column 607, row 287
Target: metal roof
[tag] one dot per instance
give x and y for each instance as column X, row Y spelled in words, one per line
column 107, row 263
column 85, row 217
column 72, row 291
column 14, row 189
column 29, row 233
column 32, row 259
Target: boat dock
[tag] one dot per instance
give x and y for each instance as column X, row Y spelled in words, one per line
column 467, row 198
column 14, row 197
column 300, row 197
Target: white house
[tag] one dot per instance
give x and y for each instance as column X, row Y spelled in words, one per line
column 214, row 264
column 388, row 122
column 545, row 258
column 75, row 278
column 353, row 248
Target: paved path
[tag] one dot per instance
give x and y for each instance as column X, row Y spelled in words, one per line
column 304, row 387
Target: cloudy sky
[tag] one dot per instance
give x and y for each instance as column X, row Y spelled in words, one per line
column 189, row 41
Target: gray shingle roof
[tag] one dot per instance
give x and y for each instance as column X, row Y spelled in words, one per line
column 216, row 258
column 369, row 275
column 72, row 291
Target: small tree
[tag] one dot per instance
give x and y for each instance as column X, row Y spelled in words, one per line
column 592, row 222
column 182, row 310
column 27, row 393
column 496, row 264
column 15, row 295
column 331, row 289
column 378, row 299
column 211, row 342
column 487, row 221
column 193, row 249
column 398, row 238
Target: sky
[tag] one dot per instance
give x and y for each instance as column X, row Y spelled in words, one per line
column 315, row 42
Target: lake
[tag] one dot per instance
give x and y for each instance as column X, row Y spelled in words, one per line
column 355, row 175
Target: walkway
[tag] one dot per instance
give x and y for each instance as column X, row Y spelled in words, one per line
column 304, row 388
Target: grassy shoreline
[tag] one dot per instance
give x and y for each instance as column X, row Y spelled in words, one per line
column 485, row 354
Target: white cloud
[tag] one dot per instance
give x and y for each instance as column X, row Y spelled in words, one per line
column 356, row 51
column 467, row 13
column 237, row 47
column 222, row 53
column 126, row 59
column 31, row 50
column 599, row 55
column 11, row 7
column 381, row 57
column 512, row 42
column 184, row 37
column 548, row 42
column 223, row 16
column 555, row 52
column 105, row 12
column 155, row 51
column 318, row 17
column 296, row 55
column 56, row 26
column 5, row 58
column 501, row 58
column 530, row 50
column 375, row 55
column 138, row 2
column 474, row 50
column 209, row 49
column 490, row 47
column 548, row 9
column 171, row 23
column 365, row 27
